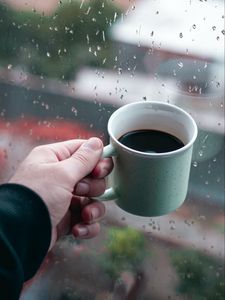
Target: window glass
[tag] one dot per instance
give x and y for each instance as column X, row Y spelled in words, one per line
column 65, row 67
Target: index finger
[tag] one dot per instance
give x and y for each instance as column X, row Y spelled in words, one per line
column 103, row 168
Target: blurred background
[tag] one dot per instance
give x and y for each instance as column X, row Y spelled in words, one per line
column 65, row 66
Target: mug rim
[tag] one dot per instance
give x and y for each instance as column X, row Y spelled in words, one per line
column 162, row 154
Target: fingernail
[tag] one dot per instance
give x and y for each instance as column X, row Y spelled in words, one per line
column 82, row 188
column 82, row 230
column 93, row 144
column 95, row 213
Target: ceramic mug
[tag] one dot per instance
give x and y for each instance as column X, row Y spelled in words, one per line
column 149, row 184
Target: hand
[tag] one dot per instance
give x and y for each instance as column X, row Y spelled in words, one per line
column 65, row 175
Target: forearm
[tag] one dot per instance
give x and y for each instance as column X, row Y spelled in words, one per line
column 25, row 234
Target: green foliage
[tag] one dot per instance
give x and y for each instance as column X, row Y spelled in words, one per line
column 201, row 277
column 125, row 250
column 57, row 45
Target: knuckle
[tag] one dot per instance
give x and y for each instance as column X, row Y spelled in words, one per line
column 82, row 158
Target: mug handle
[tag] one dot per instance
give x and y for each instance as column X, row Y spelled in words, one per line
column 109, row 193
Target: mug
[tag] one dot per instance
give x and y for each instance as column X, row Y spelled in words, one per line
column 149, row 184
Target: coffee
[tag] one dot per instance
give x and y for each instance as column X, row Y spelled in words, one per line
column 151, row 141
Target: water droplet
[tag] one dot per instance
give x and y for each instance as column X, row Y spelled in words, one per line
column 88, row 10
column 171, row 221
column 181, row 35
column 74, row 110
column 217, row 84
column 180, row 64
column 120, row 71
column 218, row 179
column 48, row 54
column 82, row 3
column 214, row 28
column 9, row 67
column 193, row 26
column 223, row 31
column 103, row 36
column 200, row 153
column 204, row 140
column 115, row 16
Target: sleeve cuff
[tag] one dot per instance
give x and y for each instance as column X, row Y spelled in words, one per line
column 26, row 224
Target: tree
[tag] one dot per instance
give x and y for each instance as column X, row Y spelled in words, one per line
column 76, row 34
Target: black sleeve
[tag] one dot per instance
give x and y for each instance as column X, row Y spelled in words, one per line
column 25, row 235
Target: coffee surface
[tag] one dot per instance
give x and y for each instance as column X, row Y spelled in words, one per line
column 151, row 141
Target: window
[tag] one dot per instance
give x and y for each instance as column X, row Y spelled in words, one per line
column 65, row 67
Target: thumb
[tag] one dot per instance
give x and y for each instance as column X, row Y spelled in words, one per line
column 83, row 161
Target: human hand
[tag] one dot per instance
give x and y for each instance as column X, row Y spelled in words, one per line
column 65, row 175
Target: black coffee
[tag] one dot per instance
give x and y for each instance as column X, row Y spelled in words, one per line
column 152, row 141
